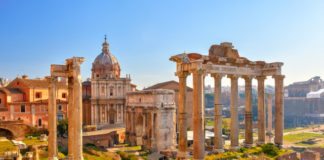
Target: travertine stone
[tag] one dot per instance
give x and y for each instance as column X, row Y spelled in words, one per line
column 279, row 110
column 182, row 116
column 70, row 119
column 52, row 140
column 261, row 110
column 234, row 113
column 218, row 140
column 198, row 113
column 248, row 112
column 269, row 120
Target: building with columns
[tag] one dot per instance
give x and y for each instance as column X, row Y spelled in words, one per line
column 150, row 119
column 104, row 95
column 223, row 60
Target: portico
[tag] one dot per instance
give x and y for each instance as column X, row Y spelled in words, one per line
column 223, row 61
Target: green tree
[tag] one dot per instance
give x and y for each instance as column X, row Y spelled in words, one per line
column 226, row 125
column 62, row 126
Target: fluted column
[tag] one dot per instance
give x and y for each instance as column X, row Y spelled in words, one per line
column 153, row 125
column 218, row 140
column 52, row 139
column 261, row 110
column 71, row 119
column 248, row 112
column 234, row 113
column 198, row 116
column 279, row 109
column 182, row 116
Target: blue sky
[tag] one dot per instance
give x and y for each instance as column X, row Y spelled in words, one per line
column 144, row 34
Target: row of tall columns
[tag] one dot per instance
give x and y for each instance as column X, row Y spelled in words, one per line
column 100, row 115
column 198, row 113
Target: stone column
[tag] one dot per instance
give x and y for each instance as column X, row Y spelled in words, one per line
column 279, row 109
column 77, row 107
column 269, row 129
column 182, row 116
column 153, row 143
column 70, row 118
column 248, row 112
column 144, row 129
column 234, row 113
column 52, row 137
column 133, row 133
column 261, row 110
column 218, row 139
column 198, row 116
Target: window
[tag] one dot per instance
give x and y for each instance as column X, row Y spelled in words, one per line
column 97, row 75
column 22, row 108
column 0, row 100
column 63, row 95
column 38, row 95
column 17, row 83
column 111, row 92
column 19, row 118
column 39, row 122
column 60, row 107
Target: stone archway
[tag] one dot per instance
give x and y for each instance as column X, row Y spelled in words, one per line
column 6, row 133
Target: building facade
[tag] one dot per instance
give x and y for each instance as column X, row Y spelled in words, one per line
column 150, row 119
column 27, row 99
column 105, row 93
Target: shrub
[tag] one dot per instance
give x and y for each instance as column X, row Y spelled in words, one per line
column 270, row 149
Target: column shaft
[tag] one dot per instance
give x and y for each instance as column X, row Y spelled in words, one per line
column 248, row 112
column 279, row 109
column 71, row 120
column 198, row 114
column 261, row 110
column 182, row 116
column 52, row 138
column 218, row 140
column 234, row 113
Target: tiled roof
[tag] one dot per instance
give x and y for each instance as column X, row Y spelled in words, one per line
column 160, row 85
column 38, row 83
column 6, row 90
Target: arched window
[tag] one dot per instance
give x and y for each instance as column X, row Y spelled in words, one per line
column 59, row 107
column 39, row 122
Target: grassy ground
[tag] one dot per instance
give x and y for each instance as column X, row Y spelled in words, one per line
column 305, row 139
column 293, row 129
column 34, row 141
column 6, row 146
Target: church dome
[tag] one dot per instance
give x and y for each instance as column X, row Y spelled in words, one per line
column 105, row 65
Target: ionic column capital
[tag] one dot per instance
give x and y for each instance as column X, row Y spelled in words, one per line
column 233, row 76
column 217, row 75
column 278, row 77
column 261, row 78
column 247, row 77
column 199, row 72
column 183, row 74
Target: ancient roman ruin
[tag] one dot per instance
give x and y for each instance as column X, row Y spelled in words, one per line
column 150, row 119
column 70, row 70
column 224, row 60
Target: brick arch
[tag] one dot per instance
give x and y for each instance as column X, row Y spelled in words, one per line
column 6, row 133
column 16, row 128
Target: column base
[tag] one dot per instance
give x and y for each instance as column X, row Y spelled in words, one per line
column 52, row 158
column 260, row 143
column 246, row 145
column 182, row 155
column 234, row 148
column 219, row 150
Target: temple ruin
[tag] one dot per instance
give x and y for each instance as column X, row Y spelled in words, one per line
column 70, row 70
column 222, row 61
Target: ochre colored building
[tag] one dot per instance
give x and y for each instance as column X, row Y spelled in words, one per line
column 27, row 99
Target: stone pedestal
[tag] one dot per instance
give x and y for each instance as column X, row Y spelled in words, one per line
column 198, row 114
column 234, row 113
